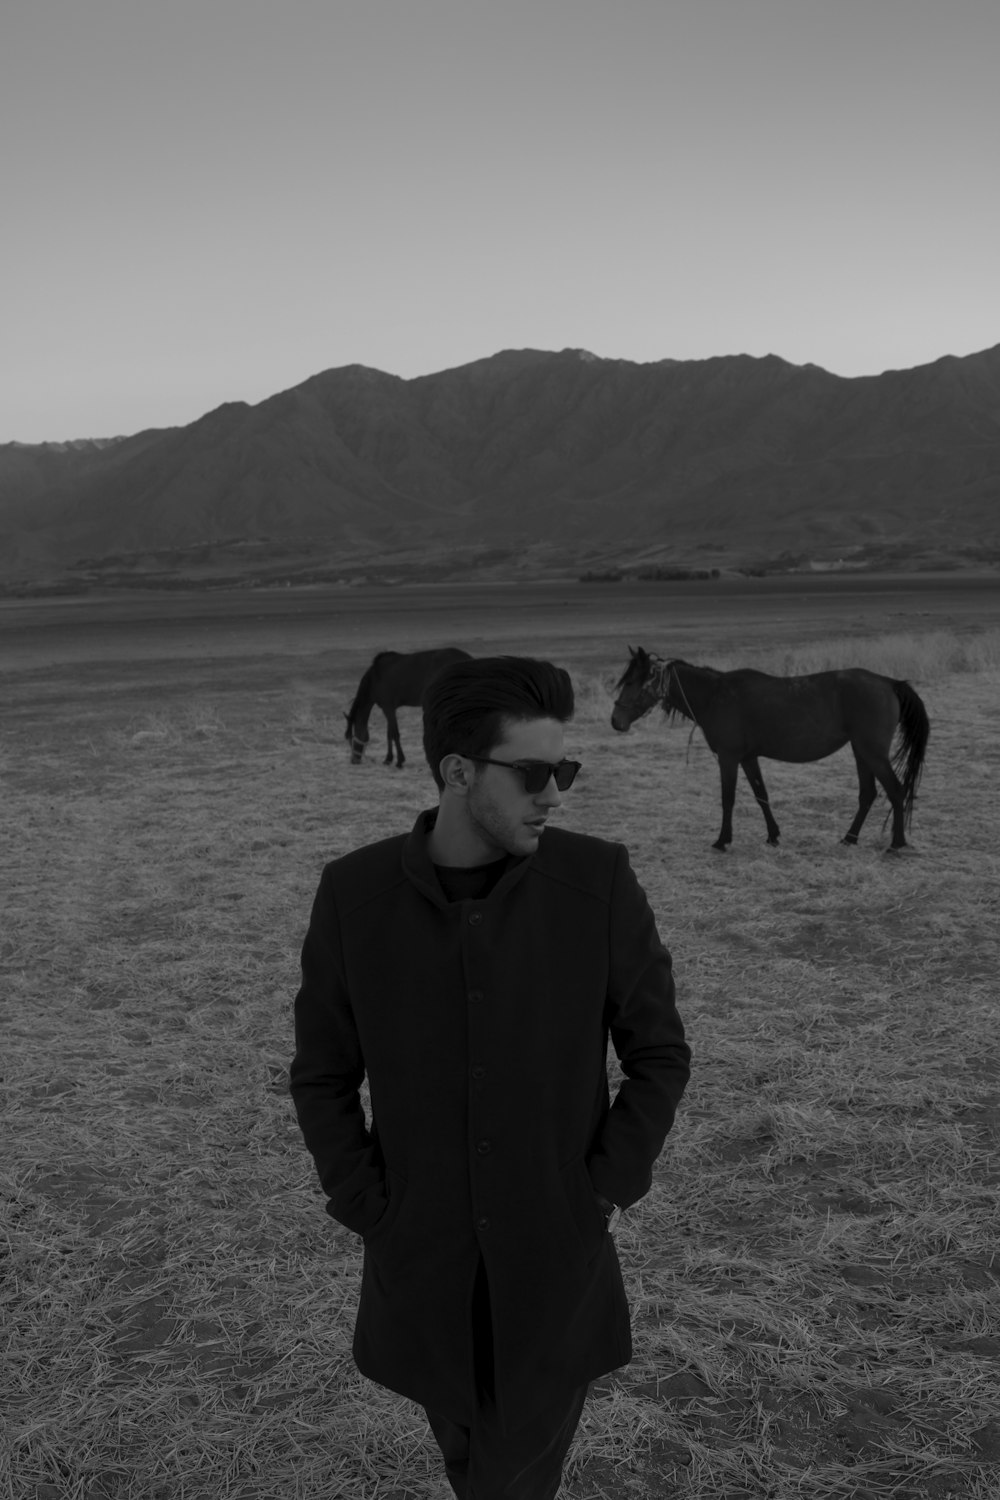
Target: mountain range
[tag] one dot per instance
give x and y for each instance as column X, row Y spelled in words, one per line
column 527, row 462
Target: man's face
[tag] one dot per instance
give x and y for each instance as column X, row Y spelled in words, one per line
column 506, row 818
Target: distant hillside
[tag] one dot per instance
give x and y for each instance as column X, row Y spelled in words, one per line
column 528, row 461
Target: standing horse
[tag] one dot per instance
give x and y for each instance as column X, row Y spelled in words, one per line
column 394, row 680
column 745, row 714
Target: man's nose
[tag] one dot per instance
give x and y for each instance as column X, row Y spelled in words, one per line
column 550, row 794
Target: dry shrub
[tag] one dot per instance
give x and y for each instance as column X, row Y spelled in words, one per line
column 931, row 657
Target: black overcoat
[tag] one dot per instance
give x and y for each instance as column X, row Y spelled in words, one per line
column 483, row 1027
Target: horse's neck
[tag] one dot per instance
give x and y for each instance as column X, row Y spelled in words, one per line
column 362, row 705
column 691, row 687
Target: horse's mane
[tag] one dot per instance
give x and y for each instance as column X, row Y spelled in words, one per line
column 672, row 713
column 678, row 661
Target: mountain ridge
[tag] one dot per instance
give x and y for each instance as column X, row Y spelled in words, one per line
column 529, row 459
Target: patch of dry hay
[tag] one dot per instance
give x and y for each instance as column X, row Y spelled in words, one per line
column 931, row 656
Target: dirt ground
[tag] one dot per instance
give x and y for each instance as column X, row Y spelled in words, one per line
column 814, row 1276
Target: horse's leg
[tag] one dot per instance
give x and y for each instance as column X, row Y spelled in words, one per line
column 890, row 782
column 752, row 772
column 728, row 767
column 392, row 738
column 871, row 768
column 866, row 796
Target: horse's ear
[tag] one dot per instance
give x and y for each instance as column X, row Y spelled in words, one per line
column 630, row 651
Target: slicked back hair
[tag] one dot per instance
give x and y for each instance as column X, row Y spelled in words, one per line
column 467, row 706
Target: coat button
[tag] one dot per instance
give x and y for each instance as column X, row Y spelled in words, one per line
column 483, row 1147
column 478, row 1072
column 474, row 996
column 482, row 1223
column 475, row 918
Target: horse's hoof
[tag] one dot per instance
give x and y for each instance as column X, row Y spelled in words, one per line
column 721, row 848
column 773, row 843
column 850, row 838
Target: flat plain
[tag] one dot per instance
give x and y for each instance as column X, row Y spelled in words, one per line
column 815, row 1277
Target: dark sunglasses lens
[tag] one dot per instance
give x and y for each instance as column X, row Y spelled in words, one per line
column 536, row 777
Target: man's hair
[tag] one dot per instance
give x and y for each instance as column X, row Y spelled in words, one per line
column 467, row 705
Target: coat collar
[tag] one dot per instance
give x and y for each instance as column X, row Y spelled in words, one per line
column 419, row 867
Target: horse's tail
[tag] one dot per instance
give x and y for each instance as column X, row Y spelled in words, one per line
column 914, row 731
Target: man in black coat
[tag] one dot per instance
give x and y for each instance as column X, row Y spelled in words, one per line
column 474, row 970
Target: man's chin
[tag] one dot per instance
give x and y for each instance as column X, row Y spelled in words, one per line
column 530, row 835
column 519, row 840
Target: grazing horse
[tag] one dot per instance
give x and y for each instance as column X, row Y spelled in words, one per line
column 394, row 680
column 745, row 714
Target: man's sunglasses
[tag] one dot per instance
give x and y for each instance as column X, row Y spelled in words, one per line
column 536, row 774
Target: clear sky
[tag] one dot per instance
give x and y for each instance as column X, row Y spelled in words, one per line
column 211, row 200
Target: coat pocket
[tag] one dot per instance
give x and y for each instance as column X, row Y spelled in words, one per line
column 581, row 1199
column 381, row 1231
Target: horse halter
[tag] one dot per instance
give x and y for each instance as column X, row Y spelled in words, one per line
column 658, row 680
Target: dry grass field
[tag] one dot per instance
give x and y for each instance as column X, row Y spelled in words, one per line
column 815, row 1277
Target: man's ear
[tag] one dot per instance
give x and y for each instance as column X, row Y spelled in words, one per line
column 456, row 773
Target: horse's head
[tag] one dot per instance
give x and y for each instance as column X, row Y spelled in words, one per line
column 639, row 688
column 357, row 737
